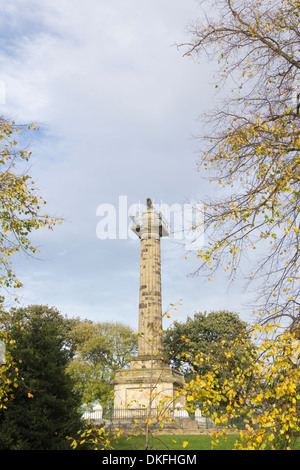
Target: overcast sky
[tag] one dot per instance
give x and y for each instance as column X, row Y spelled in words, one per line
column 117, row 104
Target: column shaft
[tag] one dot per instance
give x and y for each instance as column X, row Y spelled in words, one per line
column 150, row 309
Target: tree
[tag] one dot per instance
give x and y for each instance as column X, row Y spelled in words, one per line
column 100, row 349
column 252, row 148
column 20, row 203
column 20, row 214
column 260, row 399
column 203, row 334
column 45, row 408
column 8, row 370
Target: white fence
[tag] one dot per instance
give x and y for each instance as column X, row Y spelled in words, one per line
column 95, row 415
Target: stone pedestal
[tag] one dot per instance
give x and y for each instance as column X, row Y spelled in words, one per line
column 146, row 384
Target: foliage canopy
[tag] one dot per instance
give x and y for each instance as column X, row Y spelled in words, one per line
column 204, row 333
column 100, row 349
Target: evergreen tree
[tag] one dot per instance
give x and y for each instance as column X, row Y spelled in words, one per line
column 205, row 335
column 44, row 409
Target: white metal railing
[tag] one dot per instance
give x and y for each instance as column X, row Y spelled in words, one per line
column 95, row 415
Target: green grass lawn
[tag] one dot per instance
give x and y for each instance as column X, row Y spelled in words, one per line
column 175, row 442
column 166, row 442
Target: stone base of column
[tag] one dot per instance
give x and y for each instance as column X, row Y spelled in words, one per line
column 147, row 383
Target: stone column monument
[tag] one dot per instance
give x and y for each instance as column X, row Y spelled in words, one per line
column 149, row 377
column 150, row 309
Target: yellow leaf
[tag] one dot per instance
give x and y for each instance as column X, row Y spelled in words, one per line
column 259, row 398
column 185, row 443
column 74, row 444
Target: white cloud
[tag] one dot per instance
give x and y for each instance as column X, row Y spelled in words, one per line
column 119, row 103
